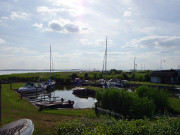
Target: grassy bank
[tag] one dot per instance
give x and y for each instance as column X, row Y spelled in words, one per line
column 153, row 84
column 13, row 108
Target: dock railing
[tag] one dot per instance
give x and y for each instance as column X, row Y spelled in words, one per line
column 99, row 110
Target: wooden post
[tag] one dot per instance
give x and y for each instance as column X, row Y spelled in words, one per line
column 96, row 111
column 36, row 92
column 10, row 86
column 21, row 95
column 40, row 108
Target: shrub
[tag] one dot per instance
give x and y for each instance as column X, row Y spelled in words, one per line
column 125, row 103
column 159, row 96
column 160, row 126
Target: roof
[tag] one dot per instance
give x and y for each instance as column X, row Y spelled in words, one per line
column 164, row 73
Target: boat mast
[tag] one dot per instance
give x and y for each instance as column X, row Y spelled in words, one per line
column 50, row 60
column 105, row 60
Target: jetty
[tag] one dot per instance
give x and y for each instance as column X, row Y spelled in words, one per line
column 55, row 104
column 44, row 99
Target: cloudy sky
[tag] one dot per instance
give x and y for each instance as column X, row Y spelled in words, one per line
column 147, row 30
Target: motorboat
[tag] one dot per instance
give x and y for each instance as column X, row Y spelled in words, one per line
column 29, row 88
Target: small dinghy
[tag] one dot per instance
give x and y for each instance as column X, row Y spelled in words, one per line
column 19, row 127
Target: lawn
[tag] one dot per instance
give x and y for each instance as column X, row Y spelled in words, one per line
column 14, row 108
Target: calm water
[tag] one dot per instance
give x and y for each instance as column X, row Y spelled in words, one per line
column 17, row 72
column 79, row 102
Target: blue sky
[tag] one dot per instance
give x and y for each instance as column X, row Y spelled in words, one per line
column 77, row 29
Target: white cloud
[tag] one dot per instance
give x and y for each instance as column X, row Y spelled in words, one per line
column 38, row 25
column 19, row 15
column 127, row 14
column 4, row 18
column 44, row 9
column 16, row 50
column 86, row 42
column 149, row 30
column 158, row 42
column 2, row 41
column 102, row 42
column 66, row 26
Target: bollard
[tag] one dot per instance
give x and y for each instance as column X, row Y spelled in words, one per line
column 96, row 110
column 21, row 95
column 62, row 100
column 40, row 108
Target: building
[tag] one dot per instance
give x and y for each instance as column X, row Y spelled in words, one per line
column 164, row 77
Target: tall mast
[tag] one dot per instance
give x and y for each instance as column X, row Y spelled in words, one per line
column 105, row 59
column 50, row 60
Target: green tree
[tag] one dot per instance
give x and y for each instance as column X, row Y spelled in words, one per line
column 113, row 72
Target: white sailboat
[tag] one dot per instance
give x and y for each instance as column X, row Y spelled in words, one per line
column 50, row 83
column 112, row 83
column 104, row 83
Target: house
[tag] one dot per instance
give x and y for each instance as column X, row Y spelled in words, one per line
column 164, row 76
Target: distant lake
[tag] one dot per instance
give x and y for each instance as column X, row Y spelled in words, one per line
column 2, row 72
column 16, row 72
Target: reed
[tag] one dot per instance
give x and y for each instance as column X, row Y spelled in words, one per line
column 125, row 103
column 160, row 97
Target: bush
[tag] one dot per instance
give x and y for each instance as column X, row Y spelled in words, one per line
column 160, row 126
column 125, row 103
column 159, row 96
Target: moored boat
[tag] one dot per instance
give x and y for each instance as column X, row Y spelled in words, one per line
column 50, row 83
column 29, row 88
column 83, row 91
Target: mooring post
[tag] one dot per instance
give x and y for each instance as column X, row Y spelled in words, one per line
column 96, row 111
column 10, row 86
column 36, row 92
column 40, row 108
column 21, row 95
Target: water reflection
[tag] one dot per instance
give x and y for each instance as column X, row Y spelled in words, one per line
column 79, row 101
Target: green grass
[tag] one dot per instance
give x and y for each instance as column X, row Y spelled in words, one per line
column 72, row 112
column 13, row 108
column 149, row 83
column 174, row 104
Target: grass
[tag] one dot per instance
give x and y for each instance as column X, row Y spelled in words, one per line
column 13, row 108
column 155, row 84
column 174, row 104
column 72, row 112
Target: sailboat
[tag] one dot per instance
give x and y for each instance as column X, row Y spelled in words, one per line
column 104, row 83
column 112, row 83
column 50, row 83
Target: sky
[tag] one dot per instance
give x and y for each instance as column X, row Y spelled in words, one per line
column 144, row 31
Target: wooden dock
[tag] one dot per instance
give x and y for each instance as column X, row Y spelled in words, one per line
column 54, row 104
